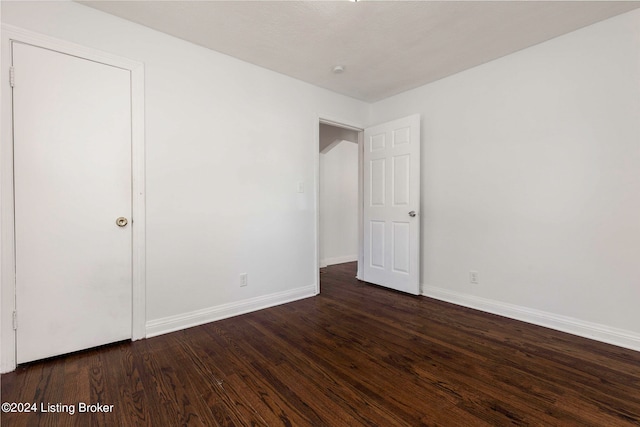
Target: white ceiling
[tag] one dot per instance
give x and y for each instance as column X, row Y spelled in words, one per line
column 387, row 47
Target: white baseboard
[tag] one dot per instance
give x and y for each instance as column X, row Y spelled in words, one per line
column 594, row 331
column 199, row 317
column 338, row 260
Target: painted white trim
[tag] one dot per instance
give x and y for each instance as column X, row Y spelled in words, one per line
column 316, row 200
column 224, row 311
column 7, row 238
column 138, row 206
column 594, row 331
column 7, row 262
column 340, row 124
column 360, row 260
column 338, row 260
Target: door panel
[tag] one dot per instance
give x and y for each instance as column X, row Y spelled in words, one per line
column 377, row 182
column 401, row 183
column 72, row 166
column 391, row 191
column 401, row 243
column 377, row 247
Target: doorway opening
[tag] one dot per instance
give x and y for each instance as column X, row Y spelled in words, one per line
column 339, row 194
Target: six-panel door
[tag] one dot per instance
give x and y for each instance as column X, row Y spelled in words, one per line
column 391, row 204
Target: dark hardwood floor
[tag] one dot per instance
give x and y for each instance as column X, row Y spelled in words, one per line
column 355, row 355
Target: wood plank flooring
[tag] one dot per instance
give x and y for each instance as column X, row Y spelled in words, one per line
column 355, row 355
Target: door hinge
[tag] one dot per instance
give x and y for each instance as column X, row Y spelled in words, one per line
column 12, row 76
column 15, row 320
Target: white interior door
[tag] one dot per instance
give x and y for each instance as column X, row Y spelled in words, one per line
column 391, row 199
column 72, row 169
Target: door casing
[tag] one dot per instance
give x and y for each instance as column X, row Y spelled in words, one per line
column 7, row 219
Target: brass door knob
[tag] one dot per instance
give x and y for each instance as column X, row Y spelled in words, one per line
column 122, row 221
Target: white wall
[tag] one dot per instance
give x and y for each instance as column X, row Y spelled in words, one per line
column 332, row 135
column 339, row 204
column 227, row 143
column 531, row 176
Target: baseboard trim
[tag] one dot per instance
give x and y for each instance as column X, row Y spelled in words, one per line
column 207, row 315
column 338, row 260
column 594, row 331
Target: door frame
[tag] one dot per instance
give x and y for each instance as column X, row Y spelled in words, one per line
column 9, row 34
column 345, row 124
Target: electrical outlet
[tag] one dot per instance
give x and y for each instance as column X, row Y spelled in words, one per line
column 244, row 279
column 473, row 277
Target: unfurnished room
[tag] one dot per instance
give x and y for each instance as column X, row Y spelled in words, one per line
column 320, row 213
